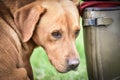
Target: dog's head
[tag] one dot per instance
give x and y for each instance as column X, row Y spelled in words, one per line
column 54, row 25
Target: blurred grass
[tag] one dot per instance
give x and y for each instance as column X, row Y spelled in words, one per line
column 43, row 70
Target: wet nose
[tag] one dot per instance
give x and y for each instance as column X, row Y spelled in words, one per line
column 73, row 63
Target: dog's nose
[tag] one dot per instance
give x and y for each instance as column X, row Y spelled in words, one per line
column 73, row 63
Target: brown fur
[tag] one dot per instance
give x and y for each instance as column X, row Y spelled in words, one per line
column 25, row 24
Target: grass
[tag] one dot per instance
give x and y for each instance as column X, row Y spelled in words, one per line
column 43, row 70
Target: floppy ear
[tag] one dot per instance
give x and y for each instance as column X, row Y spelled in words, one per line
column 77, row 2
column 26, row 19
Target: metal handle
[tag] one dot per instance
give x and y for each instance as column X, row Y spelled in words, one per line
column 102, row 21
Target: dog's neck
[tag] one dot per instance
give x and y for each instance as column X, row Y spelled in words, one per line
column 28, row 48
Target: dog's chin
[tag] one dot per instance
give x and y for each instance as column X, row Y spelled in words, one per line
column 67, row 70
column 63, row 71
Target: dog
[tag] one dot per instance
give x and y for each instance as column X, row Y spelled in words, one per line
column 27, row 24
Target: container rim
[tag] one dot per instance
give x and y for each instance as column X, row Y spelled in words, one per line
column 102, row 9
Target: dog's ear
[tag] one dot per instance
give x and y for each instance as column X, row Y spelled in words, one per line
column 77, row 2
column 26, row 19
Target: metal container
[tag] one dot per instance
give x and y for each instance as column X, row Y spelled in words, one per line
column 102, row 42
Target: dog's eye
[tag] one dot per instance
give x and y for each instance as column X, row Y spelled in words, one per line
column 57, row 35
column 77, row 33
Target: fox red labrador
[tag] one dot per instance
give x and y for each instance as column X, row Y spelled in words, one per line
column 26, row 24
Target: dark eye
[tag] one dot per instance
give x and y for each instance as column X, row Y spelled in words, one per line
column 77, row 33
column 57, row 35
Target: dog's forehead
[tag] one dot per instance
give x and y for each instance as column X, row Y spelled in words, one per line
column 53, row 9
column 60, row 11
